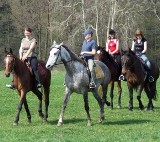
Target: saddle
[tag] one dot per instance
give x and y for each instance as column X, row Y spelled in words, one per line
column 98, row 71
column 41, row 70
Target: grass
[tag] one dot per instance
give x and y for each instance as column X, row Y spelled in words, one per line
column 120, row 125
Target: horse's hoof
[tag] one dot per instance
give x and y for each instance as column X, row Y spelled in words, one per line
column 141, row 108
column 89, row 124
column 15, row 124
column 59, row 124
column 45, row 120
column 108, row 103
column 41, row 115
column 29, row 121
column 119, row 107
column 130, row 109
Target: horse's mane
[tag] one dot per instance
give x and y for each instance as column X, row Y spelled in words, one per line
column 107, row 55
column 73, row 55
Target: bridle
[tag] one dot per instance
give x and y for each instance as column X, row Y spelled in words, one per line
column 129, row 67
column 59, row 55
column 12, row 63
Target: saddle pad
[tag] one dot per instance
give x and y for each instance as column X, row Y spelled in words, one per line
column 98, row 71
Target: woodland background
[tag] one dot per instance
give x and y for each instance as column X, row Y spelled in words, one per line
column 65, row 20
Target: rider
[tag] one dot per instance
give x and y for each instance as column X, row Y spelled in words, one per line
column 27, row 53
column 139, row 45
column 88, row 51
column 112, row 46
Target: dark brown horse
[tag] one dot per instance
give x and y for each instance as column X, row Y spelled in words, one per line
column 136, row 77
column 24, row 82
column 115, row 70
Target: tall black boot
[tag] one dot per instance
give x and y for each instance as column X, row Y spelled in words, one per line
column 150, row 77
column 37, row 77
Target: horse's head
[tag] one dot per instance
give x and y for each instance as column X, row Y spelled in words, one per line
column 9, row 62
column 103, row 55
column 127, row 60
column 54, row 56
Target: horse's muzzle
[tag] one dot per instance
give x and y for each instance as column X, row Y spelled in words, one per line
column 49, row 67
column 7, row 74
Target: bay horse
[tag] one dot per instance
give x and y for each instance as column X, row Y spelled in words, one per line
column 24, row 82
column 103, row 56
column 77, row 78
column 136, row 77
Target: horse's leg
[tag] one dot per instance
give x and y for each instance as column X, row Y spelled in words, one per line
column 22, row 95
column 148, row 93
column 111, row 93
column 119, row 93
column 97, row 97
column 27, row 110
column 86, row 106
column 46, row 99
column 131, row 97
column 104, row 89
column 66, row 99
column 39, row 95
column 140, row 88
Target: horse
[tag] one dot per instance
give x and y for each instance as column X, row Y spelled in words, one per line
column 77, row 78
column 24, row 82
column 136, row 76
column 103, row 56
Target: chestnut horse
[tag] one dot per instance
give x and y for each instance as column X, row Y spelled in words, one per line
column 24, row 82
column 136, row 77
column 103, row 56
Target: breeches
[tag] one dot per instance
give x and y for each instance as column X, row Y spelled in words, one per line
column 146, row 61
column 33, row 62
column 117, row 58
column 90, row 64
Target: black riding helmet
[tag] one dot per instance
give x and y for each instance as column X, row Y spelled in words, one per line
column 112, row 32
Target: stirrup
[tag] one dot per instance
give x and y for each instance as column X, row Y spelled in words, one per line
column 121, row 77
column 151, row 79
column 39, row 85
column 92, row 85
column 10, row 86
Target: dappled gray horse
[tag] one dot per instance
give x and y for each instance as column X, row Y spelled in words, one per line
column 77, row 78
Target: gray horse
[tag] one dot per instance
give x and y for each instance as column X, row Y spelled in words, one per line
column 77, row 78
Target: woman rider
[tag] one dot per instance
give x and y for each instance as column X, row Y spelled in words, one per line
column 139, row 46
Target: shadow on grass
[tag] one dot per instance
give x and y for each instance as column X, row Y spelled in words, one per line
column 127, row 122
column 69, row 121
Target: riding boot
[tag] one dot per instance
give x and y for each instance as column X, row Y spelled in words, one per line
column 92, row 82
column 150, row 77
column 37, row 77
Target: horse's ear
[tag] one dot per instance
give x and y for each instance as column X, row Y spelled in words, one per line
column 61, row 44
column 54, row 43
column 98, row 48
column 10, row 50
column 122, row 51
column 5, row 51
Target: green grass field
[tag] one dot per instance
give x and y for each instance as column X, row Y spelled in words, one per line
column 120, row 125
